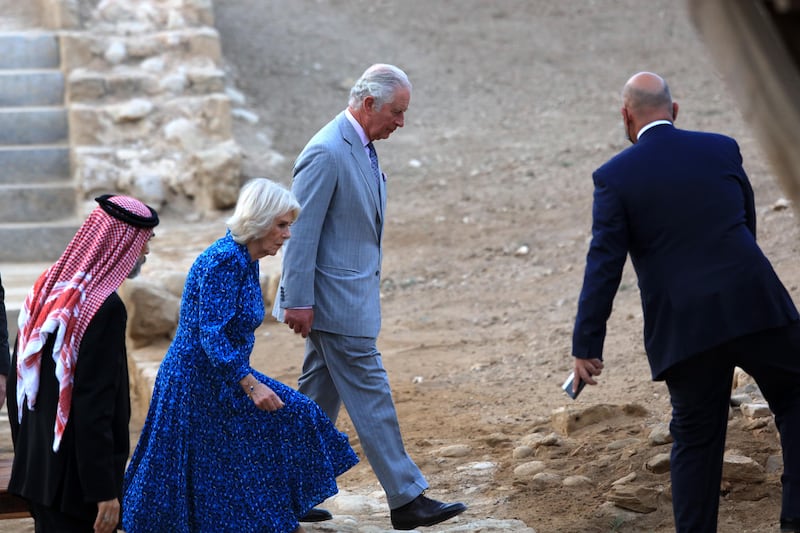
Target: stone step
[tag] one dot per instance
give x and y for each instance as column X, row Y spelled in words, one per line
column 38, row 202
column 33, row 125
column 19, row 88
column 34, row 164
column 18, row 278
column 29, row 49
column 39, row 241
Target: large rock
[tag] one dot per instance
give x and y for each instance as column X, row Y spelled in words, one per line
column 568, row 420
column 145, row 77
column 152, row 311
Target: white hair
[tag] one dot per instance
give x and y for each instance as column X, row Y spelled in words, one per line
column 380, row 81
column 260, row 202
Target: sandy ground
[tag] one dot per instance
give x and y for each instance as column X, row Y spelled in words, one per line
column 515, row 103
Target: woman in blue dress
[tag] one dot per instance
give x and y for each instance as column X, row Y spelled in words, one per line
column 225, row 448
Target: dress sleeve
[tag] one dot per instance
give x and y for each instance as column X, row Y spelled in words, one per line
column 219, row 302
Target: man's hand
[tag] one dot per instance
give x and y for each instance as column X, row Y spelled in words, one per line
column 299, row 320
column 585, row 369
column 2, row 390
column 107, row 516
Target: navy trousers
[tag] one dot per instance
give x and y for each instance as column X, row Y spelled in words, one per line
column 700, row 390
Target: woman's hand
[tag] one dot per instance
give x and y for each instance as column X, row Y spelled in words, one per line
column 107, row 516
column 264, row 397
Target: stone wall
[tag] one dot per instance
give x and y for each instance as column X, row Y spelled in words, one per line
column 148, row 110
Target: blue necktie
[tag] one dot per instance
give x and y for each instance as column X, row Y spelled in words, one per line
column 373, row 159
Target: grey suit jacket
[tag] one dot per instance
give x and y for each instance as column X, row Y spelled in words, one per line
column 333, row 259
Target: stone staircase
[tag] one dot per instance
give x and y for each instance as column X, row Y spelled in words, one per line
column 38, row 199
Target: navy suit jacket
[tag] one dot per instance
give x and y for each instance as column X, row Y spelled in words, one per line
column 680, row 203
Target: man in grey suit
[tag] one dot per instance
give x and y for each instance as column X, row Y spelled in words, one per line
column 330, row 286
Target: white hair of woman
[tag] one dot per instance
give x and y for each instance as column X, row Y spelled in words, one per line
column 260, row 202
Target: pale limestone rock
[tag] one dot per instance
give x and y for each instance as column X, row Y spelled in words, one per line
column 174, row 83
column 153, row 64
column 658, row 464
column 625, row 479
column 774, row 464
column 130, row 111
column 741, row 468
column 612, row 514
column 567, row 420
column 535, row 440
column 455, row 450
column 659, row 435
column 741, row 378
column 576, row 481
column 544, row 480
column 173, row 282
column 497, row 440
column 622, row 444
column 169, row 52
column 639, row 499
column 245, row 115
column 184, row 132
column 522, row 452
column 739, row 399
column 152, row 311
column 115, row 53
column 148, row 186
column 236, row 96
column 205, row 80
column 755, row 410
column 270, row 278
column 95, row 173
column 480, row 468
column 529, row 469
column 355, row 504
column 217, row 176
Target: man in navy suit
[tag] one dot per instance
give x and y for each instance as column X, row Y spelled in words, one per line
column 330, row 286
column 680, row 203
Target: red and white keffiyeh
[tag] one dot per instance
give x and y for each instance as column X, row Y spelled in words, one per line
column 66, row 297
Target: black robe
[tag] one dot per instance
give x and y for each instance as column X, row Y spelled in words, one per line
column 90, row 463
column 3, row 332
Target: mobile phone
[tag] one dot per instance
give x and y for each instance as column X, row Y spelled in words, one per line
column 567, row 386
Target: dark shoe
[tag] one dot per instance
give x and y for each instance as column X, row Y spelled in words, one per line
column 423, row 511
column 790, row 525
column 316, row 515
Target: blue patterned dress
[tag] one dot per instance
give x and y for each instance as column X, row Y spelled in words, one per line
column 208, row 459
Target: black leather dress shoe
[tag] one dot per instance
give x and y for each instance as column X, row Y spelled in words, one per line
column 316, row 515
column 423, row 511
column 790, row 525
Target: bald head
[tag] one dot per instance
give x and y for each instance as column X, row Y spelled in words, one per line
column 646, row 98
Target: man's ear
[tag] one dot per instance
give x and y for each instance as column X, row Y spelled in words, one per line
column 674, row 111
column 369, row 104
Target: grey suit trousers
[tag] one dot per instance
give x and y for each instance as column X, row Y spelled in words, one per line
column 340, row 369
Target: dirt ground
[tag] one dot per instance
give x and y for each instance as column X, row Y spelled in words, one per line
column 515, row 103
